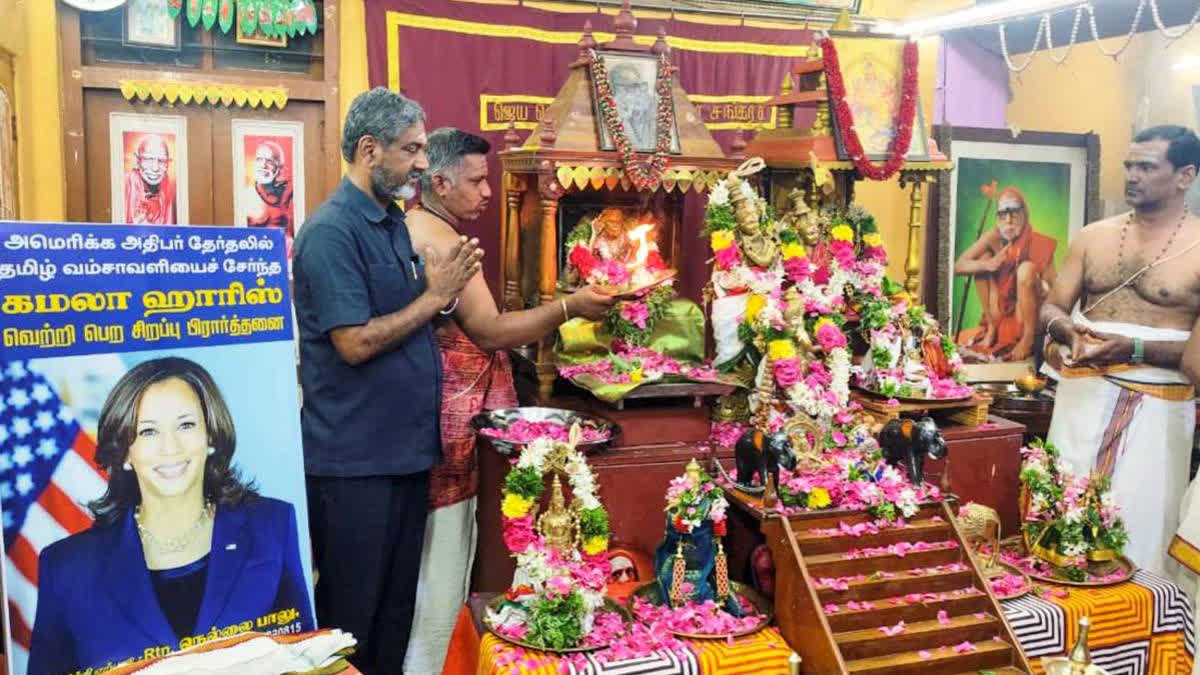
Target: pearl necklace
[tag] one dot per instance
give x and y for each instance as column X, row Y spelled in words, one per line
column 180, row 543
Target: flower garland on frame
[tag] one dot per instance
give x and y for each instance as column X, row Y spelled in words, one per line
column 644, row 176
column 899, row 145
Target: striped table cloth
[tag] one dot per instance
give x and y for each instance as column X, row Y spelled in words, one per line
column 1142, row 626
column 764, row 653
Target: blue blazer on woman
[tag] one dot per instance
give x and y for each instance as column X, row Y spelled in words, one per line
column 96, row 602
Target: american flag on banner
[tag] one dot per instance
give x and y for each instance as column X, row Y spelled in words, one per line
column 48, row 473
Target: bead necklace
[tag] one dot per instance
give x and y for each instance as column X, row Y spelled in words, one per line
column 1171, row 240
column 180, row 543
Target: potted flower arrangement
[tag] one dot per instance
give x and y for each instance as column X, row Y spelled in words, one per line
column 1068, row 520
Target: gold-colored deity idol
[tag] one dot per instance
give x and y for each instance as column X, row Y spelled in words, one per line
column 559, row 526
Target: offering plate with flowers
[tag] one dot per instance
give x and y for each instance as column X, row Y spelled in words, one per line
column 692, row 594
column 908, row 357
column 510, row 428
column 1071, row 525
column 556, row 601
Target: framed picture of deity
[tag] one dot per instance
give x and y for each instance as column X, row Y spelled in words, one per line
column 268, row 174
column 873, row 74
column 631, row 81
column 148, row 165
column 1006, row 218
column 1193, row 194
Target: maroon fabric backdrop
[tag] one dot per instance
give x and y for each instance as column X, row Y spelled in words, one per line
column 446, row 65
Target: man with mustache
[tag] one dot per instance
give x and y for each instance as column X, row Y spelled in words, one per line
column 1117, row 322
column 371, row 377
column 1013, row 268
column 476, row 376
column 149, row 191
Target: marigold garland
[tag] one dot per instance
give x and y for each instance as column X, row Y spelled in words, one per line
column 845, row 118
column 643, row 175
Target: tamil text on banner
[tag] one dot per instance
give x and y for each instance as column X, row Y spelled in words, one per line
column 150, row 461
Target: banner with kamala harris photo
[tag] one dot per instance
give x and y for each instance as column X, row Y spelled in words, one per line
column 151, row 472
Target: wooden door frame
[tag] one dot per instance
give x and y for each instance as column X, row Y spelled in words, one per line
column 77, row 77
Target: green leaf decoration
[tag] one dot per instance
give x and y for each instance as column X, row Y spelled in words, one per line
column 225, row 15
column 310, row 17
column 281, row 11
column 193, row 12
column 247, row 16
column 265, row 23
column 208, row 14
column 174, row 7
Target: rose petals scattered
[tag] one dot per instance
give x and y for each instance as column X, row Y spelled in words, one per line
column 831, row 609
column 892, row 630
column 525, row 431
column 964, row 647
column 924, row 655
column 943, row 617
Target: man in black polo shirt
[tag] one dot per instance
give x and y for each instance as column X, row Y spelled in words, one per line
column 371, row 377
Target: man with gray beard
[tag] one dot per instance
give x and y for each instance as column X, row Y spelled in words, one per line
column 365, row 302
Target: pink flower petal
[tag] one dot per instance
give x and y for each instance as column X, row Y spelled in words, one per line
column 964, row 647
column 924, row 654
column 943, row 617
column 831, row 609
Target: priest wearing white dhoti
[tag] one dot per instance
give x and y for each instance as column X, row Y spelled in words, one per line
column 1118, row 318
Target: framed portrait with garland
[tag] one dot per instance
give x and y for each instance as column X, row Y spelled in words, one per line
column 873, row 71
column 639, row 85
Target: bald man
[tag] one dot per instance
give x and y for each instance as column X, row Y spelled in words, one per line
column 149, row 190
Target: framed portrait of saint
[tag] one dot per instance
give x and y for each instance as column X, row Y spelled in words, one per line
column 148, row 167
column 633, row 79
column 268, row 174
column 873, row 73
column 1015, row 202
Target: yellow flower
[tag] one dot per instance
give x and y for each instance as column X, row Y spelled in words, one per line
column 515, row 506
column 754, row 305
column 721, row 239
column 873, row 239
column 781, row 349
column 636, row 375
column 842, row 233
column 793, row 250
column 594, row 545
column 822, row 322
column 818, row 498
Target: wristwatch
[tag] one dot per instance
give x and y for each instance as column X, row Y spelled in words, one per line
column 1139, row 352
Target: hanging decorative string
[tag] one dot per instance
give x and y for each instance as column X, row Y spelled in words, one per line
column 1044, row 30
column 271, row 18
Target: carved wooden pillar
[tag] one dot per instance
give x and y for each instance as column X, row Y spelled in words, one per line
column 549, row 190
column 547, row 280
column 912, row 264
column 510, row 242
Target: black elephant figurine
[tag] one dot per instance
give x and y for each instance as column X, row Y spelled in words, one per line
column 906, row 443
column 756, row 452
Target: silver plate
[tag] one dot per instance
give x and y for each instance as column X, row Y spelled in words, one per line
column 503, row 417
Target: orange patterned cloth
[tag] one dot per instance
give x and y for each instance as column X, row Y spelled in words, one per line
column 472, row 381
column 1140, row 626
column 763, row 653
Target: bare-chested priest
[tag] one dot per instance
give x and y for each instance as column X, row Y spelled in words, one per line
column 1117, row 320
